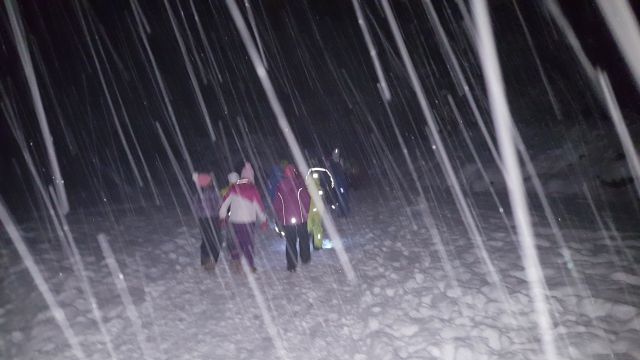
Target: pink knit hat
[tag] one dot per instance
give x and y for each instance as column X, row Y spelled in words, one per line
column 247, row 172
column 202, row 180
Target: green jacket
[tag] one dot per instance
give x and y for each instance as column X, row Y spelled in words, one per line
column 314, row 222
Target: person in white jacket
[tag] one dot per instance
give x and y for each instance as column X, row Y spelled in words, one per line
column 243, row 207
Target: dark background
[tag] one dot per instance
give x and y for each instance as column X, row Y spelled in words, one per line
column 319, row 64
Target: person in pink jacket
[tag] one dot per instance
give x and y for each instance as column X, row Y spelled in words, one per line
column 291, row 206
column 243, row 205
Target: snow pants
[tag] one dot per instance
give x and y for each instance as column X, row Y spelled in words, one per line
column 314, row 226
column 228, row 239
column 297, row 235
column 343, row 201
column 243, row 237
column 210, row 245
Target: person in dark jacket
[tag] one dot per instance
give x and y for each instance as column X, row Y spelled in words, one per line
column 341, row 183
column 291, row 207
column 274, row 180
column 206, row 202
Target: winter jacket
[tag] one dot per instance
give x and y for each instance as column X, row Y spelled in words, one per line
column 274, row 180
column 339, row 175
column 243, row 204
column 207, row 205
column 291, row 202
column 314, row 222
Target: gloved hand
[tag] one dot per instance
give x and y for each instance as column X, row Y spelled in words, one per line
column 280, row 229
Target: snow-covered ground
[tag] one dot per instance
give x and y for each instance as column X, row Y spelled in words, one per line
column 592, row 153
column 402, row 306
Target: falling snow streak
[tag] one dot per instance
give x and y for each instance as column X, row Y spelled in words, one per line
column 40, row 281
column 68, row 135
column 163, row 91
column 264, row 311
column 362, row 22
column 192, row 76
column 112, row 109
column 31, row 165
column 386, row 96
column 283, row 123
column 551, row 217
column 572, row 38
column 125, row 296
column 503, row 124
column 78, row 265
column 207, row 48
column 441, row 271
column 476, row 158
column 254, row 28
column 25, row 58
column 192, row 45
column 443, row 157
column 459, row 77
column 547, row 86
column 624, row 26
column 631, row 154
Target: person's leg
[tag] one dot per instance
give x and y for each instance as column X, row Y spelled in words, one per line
column 208, row 250
column 291, row 249
column 205, row 252
column 232, row 243
column 347, row 201
column 303, row 238
column 248, row 252
column 216, row 239
column 343, row 202
column 243, row 234
column 314, row 226
column 317, row 237
column 234, row 248
column 321, row 237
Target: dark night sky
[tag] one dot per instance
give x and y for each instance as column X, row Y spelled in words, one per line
column 315, row 54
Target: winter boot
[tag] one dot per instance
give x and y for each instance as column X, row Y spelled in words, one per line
column 236, row 267
column 210, row 265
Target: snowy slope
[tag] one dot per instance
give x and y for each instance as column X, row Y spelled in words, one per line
column 590, row 153
column 403, row 305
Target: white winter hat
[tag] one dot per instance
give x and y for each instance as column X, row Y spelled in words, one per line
column 233, row 177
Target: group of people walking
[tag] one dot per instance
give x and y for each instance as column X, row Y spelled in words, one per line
column 232, row 216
